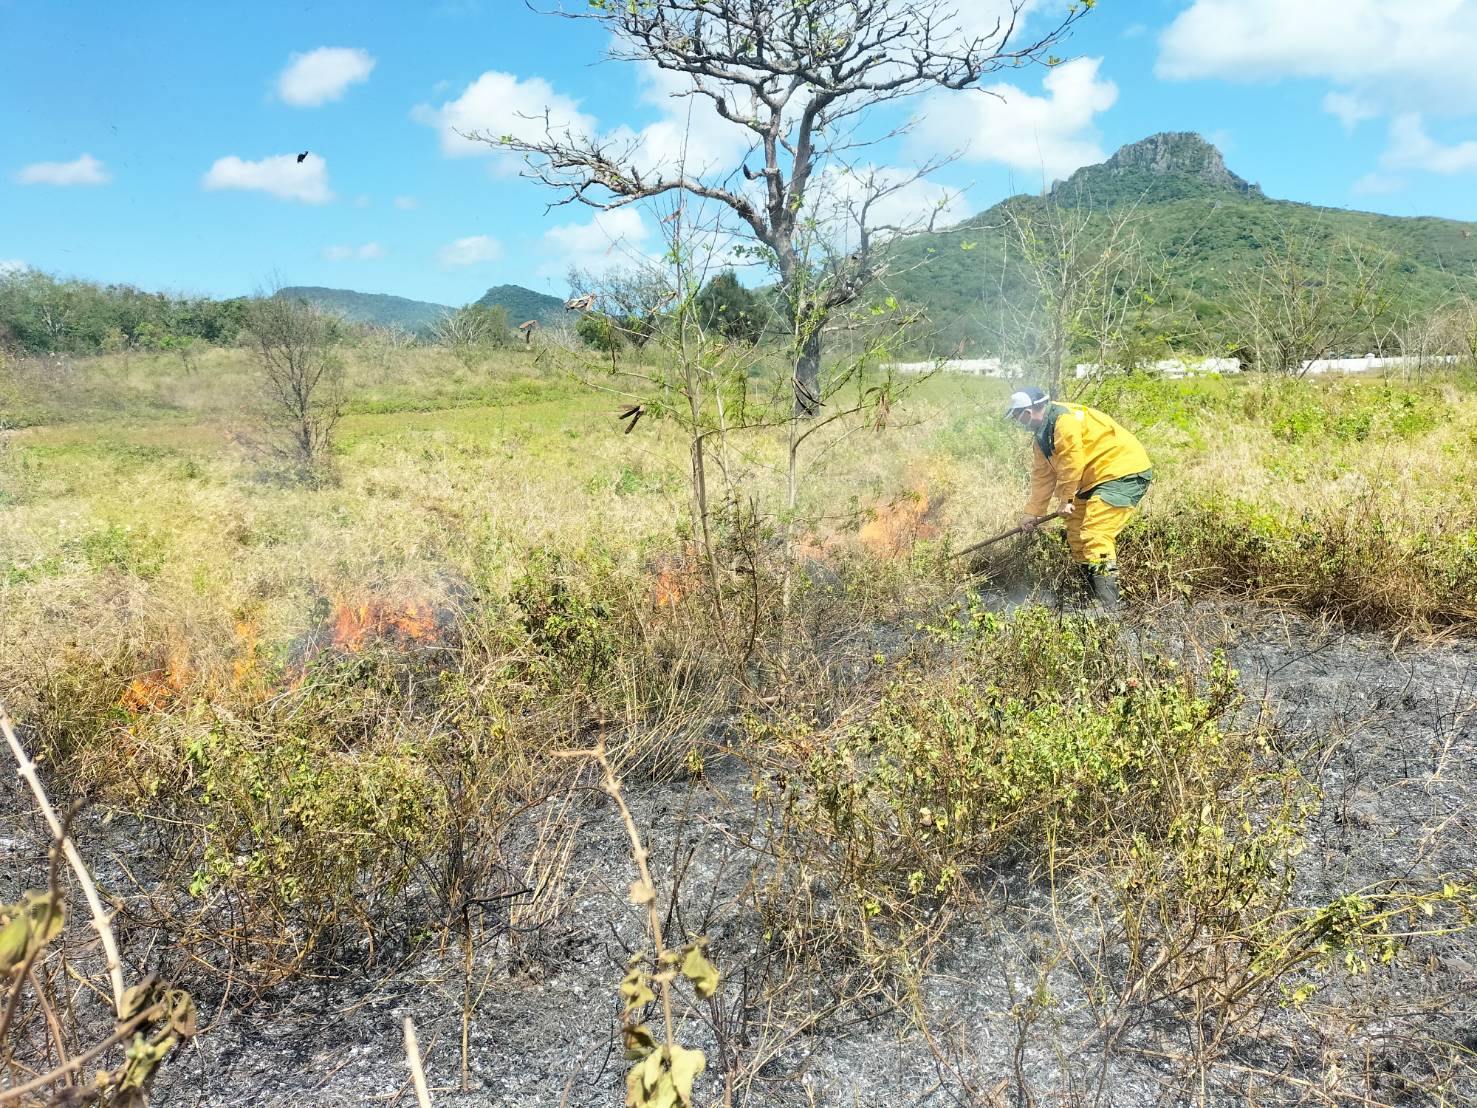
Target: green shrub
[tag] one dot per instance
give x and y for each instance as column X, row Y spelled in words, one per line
column 600, row 332
column 1042, row 734
column 1361, row 563
column 571, row 631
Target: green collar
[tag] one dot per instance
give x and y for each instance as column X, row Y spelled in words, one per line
column 1046, row 433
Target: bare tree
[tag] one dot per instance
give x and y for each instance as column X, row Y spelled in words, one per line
column 1086, row 280
column 634, row 297
column 1458, row 328
column 1302, row 301
column 471, row 332
column 302, row 378
column 797, row 77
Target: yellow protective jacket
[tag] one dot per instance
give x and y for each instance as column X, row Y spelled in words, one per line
column 1075, row 449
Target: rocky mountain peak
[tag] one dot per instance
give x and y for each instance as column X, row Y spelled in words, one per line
column 1179, row 152
column 1175, row 159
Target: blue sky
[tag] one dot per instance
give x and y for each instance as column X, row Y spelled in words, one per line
column 137, row 140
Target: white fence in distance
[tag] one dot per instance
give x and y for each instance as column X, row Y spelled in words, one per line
column 1170, row 367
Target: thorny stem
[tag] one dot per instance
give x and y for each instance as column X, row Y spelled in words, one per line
column 612, row 785
column 27, row 770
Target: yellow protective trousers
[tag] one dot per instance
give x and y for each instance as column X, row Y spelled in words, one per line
column 1092, row 530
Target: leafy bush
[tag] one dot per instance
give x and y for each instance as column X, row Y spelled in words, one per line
column 600, row 332
column 726, row 307
column 1041, row 734
column 1155, row 828
column 1360, row 562
column 573, row 635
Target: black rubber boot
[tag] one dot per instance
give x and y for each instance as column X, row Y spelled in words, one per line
column 1102, row 585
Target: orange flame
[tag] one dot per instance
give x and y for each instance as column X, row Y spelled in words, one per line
column 355, row 625
column 666, row 590
column 674, row 576
column 248, row 633
column 154, row 691
column 894, row 528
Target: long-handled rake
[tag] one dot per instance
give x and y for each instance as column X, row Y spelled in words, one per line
column 986, row 543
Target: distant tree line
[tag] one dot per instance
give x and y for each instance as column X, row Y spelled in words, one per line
column 42, row 314
column 635, row 303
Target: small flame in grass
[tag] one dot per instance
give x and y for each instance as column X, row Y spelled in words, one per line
column 248, row 634
column 894, row 528
column 356, row 625
column 675, row 576
column 152, row 692
column 666, row 589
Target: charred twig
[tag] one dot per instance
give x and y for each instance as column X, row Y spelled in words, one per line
column 27, row 770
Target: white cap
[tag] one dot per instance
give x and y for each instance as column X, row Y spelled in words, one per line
column 1026, row 398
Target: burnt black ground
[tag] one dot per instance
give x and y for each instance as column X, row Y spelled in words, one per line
column 1388, row 732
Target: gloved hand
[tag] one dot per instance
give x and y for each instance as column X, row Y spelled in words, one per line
column 1066, row 509
column 1029, row 523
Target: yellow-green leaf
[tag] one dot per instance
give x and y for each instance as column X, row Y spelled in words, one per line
column 686, row 1065
column 639, row 1041
column 635, row 991
column 143, row 1058
column 701, row 972
column 15, row 938
column 664, row 1095
column 651, row 1070
column 47, row 919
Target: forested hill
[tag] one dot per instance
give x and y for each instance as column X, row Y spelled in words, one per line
column 418, row 315
column 370, row 307
column 1200, row 228
column 521, row 303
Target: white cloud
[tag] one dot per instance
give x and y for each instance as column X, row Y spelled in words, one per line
column 1349, row 108
column 1412, row 148
column 407, row 203
column 321, row 75
column 987, row 20
column 610, row 240
column 690, row 131
column 86, row 170
column 471, row 250
column 1383, row 58
column 691, row 134
column 1392, row 54
column 1051, row 134
column 1376, row 184
column 370, row 251
column 498, row 104
column 283, row 176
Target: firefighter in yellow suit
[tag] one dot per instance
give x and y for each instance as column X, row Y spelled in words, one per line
column 1094, row 471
